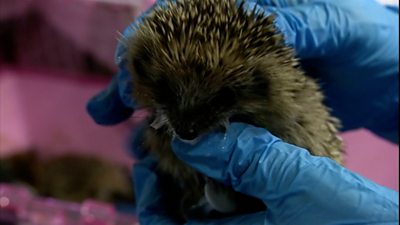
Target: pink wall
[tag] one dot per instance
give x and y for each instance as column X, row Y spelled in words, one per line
column 47, row 109
column 13, row 125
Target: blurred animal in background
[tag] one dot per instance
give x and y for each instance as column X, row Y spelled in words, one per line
column 70, row 177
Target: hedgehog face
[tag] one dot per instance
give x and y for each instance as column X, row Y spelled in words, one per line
column 192, row 99
column 190, row 103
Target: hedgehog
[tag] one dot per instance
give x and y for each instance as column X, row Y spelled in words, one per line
column 199, row 65
column 88, row 177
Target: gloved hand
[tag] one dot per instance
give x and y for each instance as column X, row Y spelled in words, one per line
column 352, row 48
column 297, row 188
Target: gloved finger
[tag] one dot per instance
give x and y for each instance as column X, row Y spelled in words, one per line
column 326, row 28
column 107, row 108
column 150, row 207
column 313, row 30
column 258, row 218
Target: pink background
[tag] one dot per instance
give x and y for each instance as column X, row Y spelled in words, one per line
column 46, row 109
column 91, row 26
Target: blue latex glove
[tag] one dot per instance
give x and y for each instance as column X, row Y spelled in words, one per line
column 107, row 107
column 352, row 48
column 150, row 202
column 298, row 188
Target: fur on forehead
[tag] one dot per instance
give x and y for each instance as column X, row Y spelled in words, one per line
column 205, row 38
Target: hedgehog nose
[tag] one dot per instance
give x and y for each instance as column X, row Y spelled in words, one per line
column 190, row 134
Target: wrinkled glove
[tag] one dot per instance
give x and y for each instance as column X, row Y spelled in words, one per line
column 297, row 188
column 150, row 188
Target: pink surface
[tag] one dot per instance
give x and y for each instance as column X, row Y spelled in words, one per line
column 372, row 157
column 47, row 110
column 26, row 206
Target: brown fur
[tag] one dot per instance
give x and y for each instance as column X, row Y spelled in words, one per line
column 203, row 62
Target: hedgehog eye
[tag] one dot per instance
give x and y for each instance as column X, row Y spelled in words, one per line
column 225, row 97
